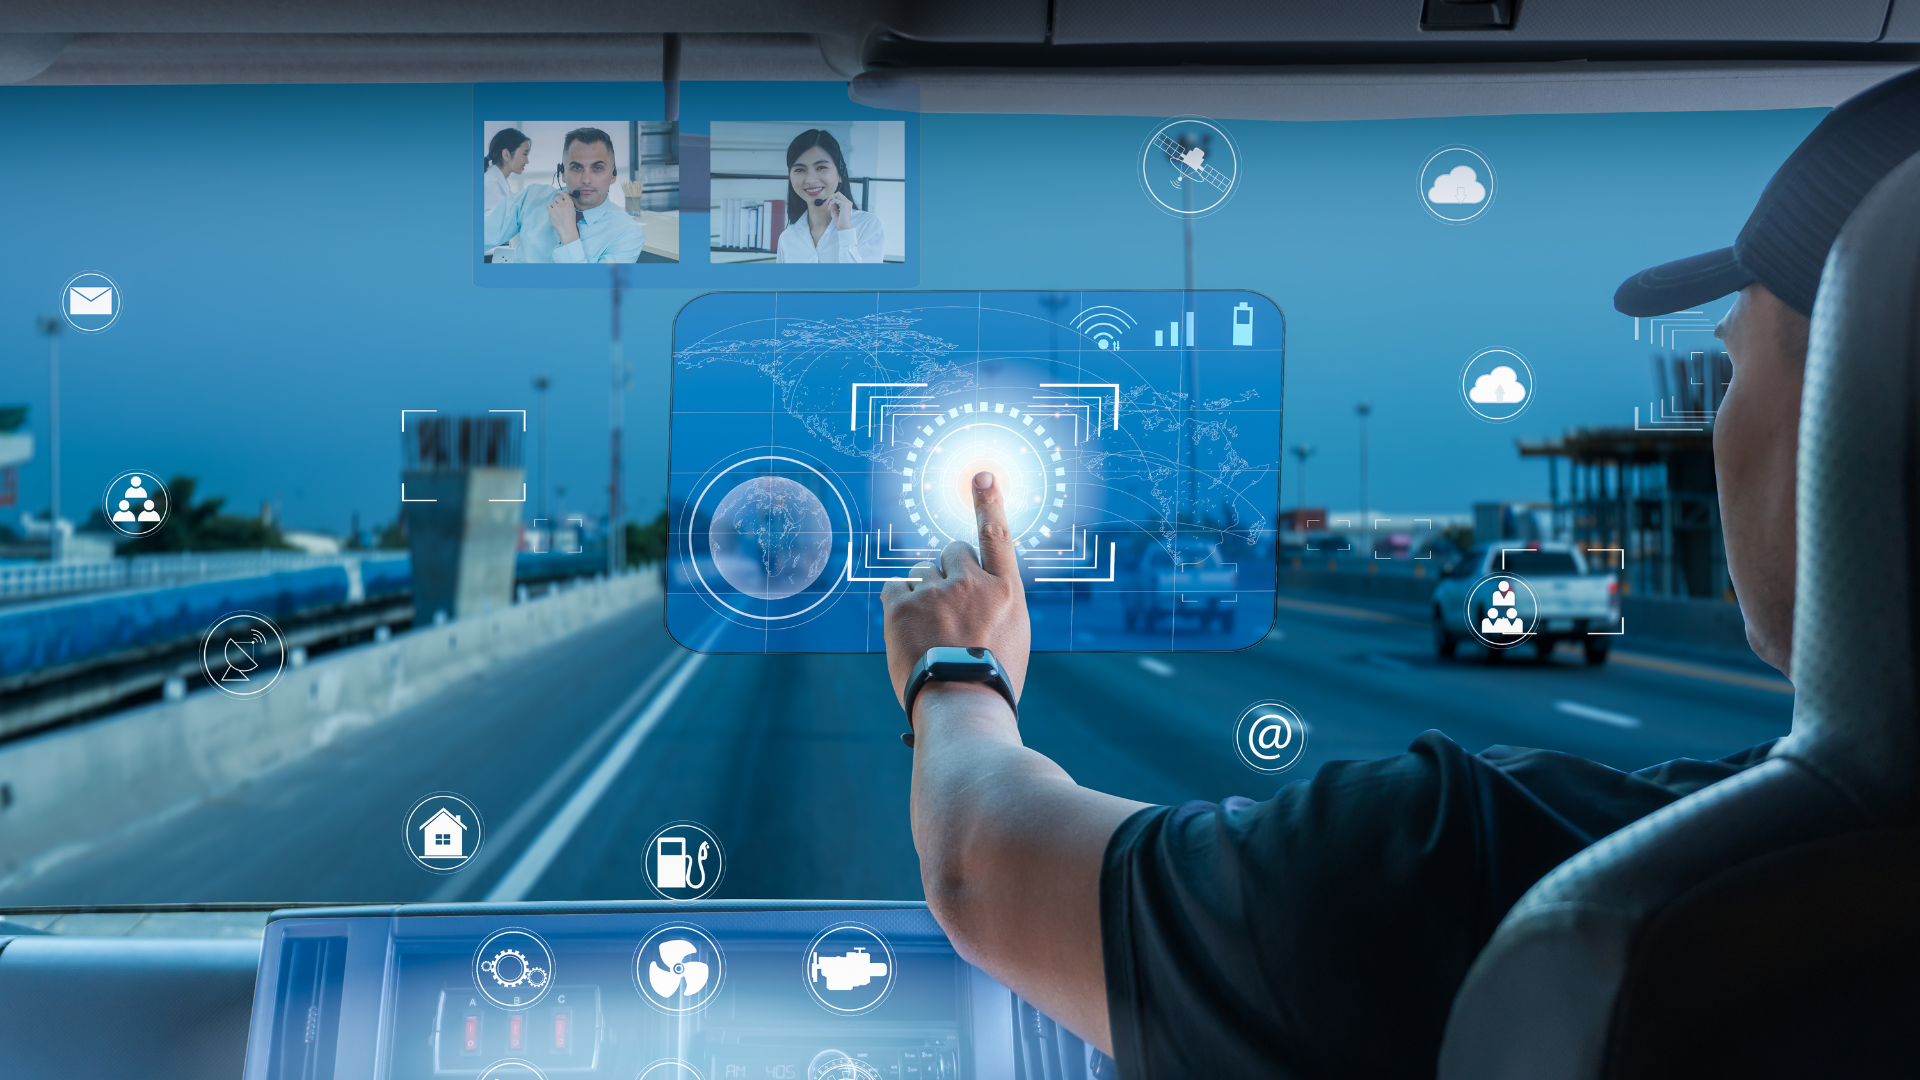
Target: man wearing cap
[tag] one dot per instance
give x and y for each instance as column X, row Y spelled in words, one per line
column 1325, row 930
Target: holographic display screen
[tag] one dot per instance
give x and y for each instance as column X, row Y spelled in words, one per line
column 824, row 443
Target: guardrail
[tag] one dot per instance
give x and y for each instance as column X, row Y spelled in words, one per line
column 32, row 580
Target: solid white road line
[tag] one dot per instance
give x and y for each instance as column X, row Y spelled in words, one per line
column 1588, row 712
column 529, row 812
column 539, row 855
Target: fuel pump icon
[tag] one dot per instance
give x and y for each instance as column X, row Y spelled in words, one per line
column 673, row 868
column 1243, row 323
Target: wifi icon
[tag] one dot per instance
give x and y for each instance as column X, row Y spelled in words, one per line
column 1104, row 324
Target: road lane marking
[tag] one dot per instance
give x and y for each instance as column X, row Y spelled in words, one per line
column 1701, row 671
column 539, row 855
column 536, row 804
column 1704, row 672
column 1343, row 611
column 1157, row 666
column 1604, row 716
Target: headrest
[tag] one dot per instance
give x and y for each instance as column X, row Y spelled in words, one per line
column 1856, row 714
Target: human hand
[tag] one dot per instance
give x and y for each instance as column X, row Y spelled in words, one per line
column 560, row 212
column 841, row 208
column 961, row 601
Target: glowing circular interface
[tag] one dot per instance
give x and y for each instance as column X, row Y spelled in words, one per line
column 1015, row 446
column 770, row 537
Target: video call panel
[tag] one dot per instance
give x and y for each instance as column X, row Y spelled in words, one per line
column 824, row 444
column 749, row 185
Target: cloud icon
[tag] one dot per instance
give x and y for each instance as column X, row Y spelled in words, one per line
column 1462, row 185
column 1497, row 387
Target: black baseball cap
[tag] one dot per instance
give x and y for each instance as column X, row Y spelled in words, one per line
column 1784, row 244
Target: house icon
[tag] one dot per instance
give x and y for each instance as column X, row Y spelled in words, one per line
column 445, row 836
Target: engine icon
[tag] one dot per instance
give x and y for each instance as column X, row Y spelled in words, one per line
column 509, row 968
column 847, row 971
column 849, row 968
column 681, row 975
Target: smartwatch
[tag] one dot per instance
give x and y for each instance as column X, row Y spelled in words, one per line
column 951, row 664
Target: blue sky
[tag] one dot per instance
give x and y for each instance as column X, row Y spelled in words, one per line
column 295, row 266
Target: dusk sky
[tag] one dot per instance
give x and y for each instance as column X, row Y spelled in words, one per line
column 296, row 269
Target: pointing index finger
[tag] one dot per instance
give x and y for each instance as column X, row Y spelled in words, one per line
column 996, row 540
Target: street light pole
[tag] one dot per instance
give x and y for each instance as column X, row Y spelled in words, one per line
column 51, row 327
column 1303, row 452
column 540, row 383
column 1364, row 409
column 616, row 418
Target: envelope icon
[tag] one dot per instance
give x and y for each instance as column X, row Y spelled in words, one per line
column 90, row 300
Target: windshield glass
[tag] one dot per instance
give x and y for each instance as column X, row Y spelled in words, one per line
column 354, row 441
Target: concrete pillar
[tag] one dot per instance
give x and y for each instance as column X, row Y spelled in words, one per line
column 463, row 542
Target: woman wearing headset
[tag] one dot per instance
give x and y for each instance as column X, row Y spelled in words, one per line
column 823, row 225
column 507, row 156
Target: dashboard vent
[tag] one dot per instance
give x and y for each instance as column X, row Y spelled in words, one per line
column 307, row 1021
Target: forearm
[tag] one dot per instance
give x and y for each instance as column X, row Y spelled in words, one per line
column 1010, row 854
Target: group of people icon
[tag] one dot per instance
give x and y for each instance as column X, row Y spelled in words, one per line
column 1493, row 622
column 136, row 494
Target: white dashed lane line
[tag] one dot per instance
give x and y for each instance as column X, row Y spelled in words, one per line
column 1603, row 716
column 1157, row 666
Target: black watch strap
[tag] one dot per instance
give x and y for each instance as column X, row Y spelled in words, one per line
column 954, row 664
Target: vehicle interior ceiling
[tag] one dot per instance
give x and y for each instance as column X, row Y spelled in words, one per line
column 97, row 984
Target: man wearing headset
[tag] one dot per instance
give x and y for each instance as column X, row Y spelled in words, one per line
column 577, row 223
column 1325, row 930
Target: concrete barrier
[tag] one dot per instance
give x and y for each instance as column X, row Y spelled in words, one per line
column 69, row 787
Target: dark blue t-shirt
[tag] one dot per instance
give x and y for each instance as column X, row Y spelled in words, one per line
column 1325, row 931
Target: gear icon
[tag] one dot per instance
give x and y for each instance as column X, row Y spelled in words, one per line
column 509, row 968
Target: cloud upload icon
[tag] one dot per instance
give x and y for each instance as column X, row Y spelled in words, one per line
column 1461, row 185
column 1497, row 387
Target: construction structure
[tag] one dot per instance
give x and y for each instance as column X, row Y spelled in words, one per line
column 1648, row 490
column 462, row 490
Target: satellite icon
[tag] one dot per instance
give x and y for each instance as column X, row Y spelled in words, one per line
column 1189, row 166
column 1103, row 323
column 243, row 654
column 239, row 659
column 681, row 975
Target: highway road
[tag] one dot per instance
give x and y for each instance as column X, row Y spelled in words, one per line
column 575, row 754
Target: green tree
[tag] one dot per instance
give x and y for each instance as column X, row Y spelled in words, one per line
column 200, row 526
column 647, row 543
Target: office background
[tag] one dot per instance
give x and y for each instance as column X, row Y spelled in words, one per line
column 874, row 149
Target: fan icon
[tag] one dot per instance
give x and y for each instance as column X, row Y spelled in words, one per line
column 681, row 975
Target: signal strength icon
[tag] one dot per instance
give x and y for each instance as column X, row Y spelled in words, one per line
column 1104, row 324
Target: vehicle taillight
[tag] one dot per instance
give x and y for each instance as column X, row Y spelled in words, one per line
column 1613, row 586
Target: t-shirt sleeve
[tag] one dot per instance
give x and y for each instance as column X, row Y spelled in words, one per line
column 1325, row 930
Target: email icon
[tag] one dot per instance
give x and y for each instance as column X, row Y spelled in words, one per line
column 90, row 300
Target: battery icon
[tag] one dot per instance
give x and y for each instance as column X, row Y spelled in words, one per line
column 1243, row 323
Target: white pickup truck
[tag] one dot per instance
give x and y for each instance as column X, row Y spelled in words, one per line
column 1568, row 601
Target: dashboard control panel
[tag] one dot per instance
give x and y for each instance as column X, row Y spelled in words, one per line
column 658, row 991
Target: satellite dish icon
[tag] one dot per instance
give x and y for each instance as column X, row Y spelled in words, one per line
column 1104, row 324
column 239, row 659
column 681, row 975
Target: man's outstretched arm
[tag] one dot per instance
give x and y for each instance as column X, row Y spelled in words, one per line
column 1010, row 847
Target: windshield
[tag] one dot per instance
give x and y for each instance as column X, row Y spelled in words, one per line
column 406, row 502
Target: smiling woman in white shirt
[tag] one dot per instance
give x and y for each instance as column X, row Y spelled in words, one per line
column 507, row 155
column 823, row 225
